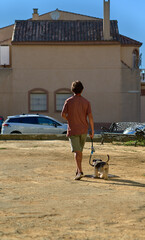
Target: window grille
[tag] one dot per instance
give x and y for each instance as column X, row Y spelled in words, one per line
column 38, row 102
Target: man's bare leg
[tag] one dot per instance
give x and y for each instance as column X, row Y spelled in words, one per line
column 78, row 158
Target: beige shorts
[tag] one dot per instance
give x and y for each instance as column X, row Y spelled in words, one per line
column 77, row 142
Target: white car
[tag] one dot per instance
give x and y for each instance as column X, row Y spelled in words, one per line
column 32, row 124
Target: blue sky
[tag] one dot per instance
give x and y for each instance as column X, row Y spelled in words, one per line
column 129, row 13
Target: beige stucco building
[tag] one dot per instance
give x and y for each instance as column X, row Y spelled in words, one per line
column 48, row 52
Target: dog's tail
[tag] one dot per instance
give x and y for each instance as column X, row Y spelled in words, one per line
column 108, row 158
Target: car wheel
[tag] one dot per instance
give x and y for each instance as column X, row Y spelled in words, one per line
column 16, row 132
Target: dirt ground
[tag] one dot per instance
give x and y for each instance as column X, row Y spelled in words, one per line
column 39, row 198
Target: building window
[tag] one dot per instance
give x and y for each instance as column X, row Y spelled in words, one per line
column 38, row 100
column 142, row 75
column 60, row 96
column 4, row 55
column 135, row 58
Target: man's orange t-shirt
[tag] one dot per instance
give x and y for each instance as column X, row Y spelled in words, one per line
column 77, row 109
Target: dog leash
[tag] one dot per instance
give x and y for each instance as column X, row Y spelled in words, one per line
column 92, row 147
column 92, row 151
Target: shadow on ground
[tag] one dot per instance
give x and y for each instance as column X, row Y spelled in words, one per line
column 116, row 180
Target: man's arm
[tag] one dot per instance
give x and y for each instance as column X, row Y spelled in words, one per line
column 91, row 121
column 64, row 115
column 64, row 111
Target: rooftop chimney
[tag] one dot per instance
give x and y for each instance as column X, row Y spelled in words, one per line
column 106, row 20
column 35, row 14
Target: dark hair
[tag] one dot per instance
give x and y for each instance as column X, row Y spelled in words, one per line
column 77, row 87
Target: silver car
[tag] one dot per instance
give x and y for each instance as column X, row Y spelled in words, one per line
column 32, row 124
column 133, row 129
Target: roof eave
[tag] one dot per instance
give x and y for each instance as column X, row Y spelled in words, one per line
column 66, row 43
column 134, row 42
column 131, row 45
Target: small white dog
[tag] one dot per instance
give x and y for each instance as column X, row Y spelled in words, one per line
column 101, row 168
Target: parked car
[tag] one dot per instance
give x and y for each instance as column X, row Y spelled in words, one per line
column 32, row 124
column 118, row 127
column 133, row 129
column 1, row 122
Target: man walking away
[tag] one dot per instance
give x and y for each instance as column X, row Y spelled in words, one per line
column 76, row 110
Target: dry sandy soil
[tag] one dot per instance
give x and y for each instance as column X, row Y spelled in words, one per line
column 39, row 198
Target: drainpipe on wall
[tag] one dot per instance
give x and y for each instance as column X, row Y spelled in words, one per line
column 35, row 14
column 106, row 20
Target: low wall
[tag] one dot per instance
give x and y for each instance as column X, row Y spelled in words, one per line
column 106, row 137
column 33, row 137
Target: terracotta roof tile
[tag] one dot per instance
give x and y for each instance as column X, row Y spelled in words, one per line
column 65, row 31
column 126, row 40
